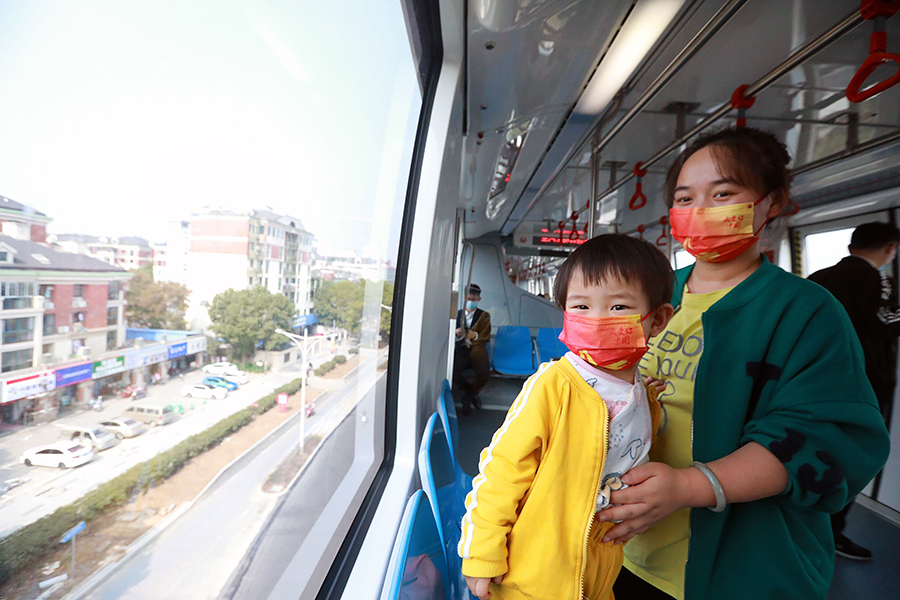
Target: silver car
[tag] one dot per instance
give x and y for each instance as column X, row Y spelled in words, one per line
column 123, row 427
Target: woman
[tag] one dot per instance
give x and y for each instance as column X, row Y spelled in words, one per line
column 764, row 385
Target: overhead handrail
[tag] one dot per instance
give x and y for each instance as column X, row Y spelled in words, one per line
column 801, row 55
column 638, row 200
column 741, row 101
column 876, row 11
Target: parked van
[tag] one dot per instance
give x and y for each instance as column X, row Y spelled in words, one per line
column 150, row 414
column 92, row 436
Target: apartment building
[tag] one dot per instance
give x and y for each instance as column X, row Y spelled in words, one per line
column 237, row 250
column 22, row 222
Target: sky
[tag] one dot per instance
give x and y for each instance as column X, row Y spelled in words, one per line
column 118, row 117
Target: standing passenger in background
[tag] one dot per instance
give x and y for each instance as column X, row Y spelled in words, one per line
column 770, row 424
column 473, row 332
column 861, row 283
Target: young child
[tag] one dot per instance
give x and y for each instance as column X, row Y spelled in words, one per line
column 576, row 427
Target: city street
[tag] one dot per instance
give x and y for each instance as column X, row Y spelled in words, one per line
column 178, row 563
column 45, row 489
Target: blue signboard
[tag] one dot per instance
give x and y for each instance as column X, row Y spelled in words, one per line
column 176, row 350
column 71, row 533
column 305, row 320
column 75, row 374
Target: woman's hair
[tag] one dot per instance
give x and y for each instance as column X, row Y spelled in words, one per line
column 620, row 256
column 751, row 157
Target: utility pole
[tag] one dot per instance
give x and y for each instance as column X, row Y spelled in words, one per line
column 303, row 342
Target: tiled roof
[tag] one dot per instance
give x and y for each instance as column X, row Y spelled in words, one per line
column 34, row 256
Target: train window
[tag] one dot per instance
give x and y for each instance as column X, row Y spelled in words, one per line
column 238, row 172
column 683, row 258
column 825, row 244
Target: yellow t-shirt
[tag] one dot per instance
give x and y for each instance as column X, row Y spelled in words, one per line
column 659, row 555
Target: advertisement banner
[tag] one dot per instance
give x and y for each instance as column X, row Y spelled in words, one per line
column 146, row 357
column 74, row 374
column 108, row 366
column 32, row 385
column 177, row 350
column 197, row 344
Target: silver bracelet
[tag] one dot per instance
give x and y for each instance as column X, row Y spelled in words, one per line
column 714, row 482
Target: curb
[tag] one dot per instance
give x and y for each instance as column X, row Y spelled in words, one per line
column 103, row 574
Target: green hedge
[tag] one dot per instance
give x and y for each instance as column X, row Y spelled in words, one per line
column 29, row 544
column 353, row 350
column 340, row 359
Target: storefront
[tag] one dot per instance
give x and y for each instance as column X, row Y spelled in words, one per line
column 66, row 388
column 28, row 399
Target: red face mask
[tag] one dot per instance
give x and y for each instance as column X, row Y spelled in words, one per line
column 715, row 234
column 610, row 342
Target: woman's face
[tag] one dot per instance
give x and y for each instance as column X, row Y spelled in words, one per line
column 701, row 185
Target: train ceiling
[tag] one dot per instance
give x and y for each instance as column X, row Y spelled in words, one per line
column 528, row 153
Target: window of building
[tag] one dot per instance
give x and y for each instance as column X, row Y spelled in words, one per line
column 78, row 291
column 113, row 293
column 111, row 340
column 18, row 330
column 112, row 316
column 49, row 324
column 17, row 359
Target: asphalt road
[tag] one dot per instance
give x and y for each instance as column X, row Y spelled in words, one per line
column 196, row 555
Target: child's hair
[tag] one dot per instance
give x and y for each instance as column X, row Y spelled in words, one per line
column 622, row 256
column 751, row 157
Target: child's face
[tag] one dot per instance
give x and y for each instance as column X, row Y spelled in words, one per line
column 612, row 297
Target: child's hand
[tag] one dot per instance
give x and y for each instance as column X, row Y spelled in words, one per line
column 657, row 385
column 479, row 585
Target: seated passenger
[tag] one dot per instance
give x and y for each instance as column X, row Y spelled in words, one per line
column 473, row 332
column 576, row 427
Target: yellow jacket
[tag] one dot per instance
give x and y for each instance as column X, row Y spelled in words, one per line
column 530, row 513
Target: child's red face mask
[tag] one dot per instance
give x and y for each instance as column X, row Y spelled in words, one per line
column 615, row 342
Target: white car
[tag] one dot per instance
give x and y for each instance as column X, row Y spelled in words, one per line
column 63, row 454
column 123, row 427
column 202, row 390
column 220, row 369
column 239, row 377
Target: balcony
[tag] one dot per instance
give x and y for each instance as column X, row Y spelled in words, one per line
column 77, row 327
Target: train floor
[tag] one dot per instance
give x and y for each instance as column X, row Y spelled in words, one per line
column 878, row 579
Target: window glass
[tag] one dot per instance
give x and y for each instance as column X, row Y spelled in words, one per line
column 825, row 249
column 217, row 136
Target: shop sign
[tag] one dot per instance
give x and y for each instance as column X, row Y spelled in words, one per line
column 195, row 345
column 74, row 374
column 108, row 366
column 22, row 387
column 178, row 350
column 145, row 357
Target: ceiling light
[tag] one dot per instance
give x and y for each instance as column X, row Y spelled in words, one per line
column 643, row 27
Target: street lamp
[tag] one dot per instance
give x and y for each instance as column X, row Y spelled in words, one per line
column 302, row 342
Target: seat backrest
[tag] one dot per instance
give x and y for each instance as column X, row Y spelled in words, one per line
column 513, row 351
column 445, row 493
column 417, row 569
column 548, row 345
column 447, row 410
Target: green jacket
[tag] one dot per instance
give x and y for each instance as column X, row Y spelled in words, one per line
column 781, row 366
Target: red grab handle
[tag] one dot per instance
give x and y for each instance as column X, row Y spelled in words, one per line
column 639, row 200
column 876, row 11
column 742, row 103
column 640, row 230
column 872, row 62
column 663, row 239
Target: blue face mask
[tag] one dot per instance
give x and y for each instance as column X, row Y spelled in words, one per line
column 471, row 305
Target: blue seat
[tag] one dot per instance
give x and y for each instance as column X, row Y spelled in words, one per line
column 447, row 410
column 548, row 344
column 446, row 495
column 514, row 351
column 417, row 568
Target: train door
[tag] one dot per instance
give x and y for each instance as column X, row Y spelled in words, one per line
column 823, row 244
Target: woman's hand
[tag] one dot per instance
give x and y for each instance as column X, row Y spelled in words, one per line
column 479, row 585
column 655, row 491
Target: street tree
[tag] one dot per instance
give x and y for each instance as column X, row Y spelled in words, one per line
column 244, row 318
column 340, row 301
column 155, row 304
